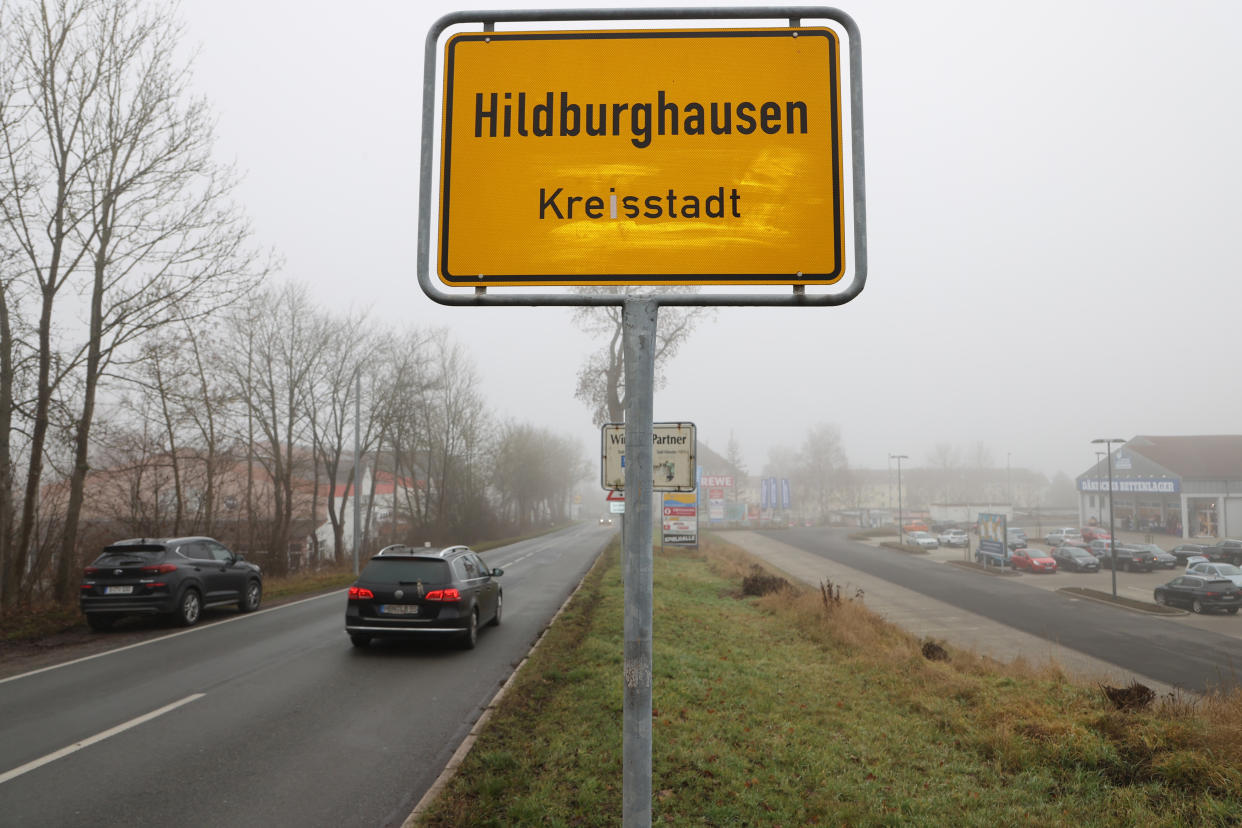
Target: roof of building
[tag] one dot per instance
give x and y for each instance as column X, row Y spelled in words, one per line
column 1216, row 456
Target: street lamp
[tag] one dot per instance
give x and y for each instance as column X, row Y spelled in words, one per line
column 1099, row 495
column 901, row 535
column 1112, row 538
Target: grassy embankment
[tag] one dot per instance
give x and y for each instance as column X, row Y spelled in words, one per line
column 804, row 708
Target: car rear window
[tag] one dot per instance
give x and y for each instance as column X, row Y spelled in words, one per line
column 392, row 570
column 115, row 554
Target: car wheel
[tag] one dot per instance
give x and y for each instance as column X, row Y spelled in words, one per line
column 1129, row 567
column 190, row 608
column 359, row 640
column 1232, row 610
column 500, row 605
column 99, row 621
column 1161, row 600
column 472, row 631
column 1197, row 607
column 253, row 597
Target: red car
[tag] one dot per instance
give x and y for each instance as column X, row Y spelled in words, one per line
column 1091, row 533
column 1032, row 560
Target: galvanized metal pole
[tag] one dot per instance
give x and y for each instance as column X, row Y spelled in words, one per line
column 638, row 332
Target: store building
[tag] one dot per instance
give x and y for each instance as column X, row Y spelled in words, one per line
column 1188, row 487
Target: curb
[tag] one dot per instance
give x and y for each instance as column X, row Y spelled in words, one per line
column 463, row 750
column 1163, row 612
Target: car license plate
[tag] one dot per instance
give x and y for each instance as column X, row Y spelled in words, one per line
column 118, row 590
column 399, row 609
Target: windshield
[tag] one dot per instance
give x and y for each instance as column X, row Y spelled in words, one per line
column 1228, row 569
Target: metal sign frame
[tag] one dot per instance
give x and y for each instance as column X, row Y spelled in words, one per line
column 610, row 295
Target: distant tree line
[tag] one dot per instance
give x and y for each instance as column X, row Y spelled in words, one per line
column 153, row 382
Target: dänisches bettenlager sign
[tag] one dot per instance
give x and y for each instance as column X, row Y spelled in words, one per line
column 642, row 157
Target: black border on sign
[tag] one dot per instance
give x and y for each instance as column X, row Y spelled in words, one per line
column 555, row 279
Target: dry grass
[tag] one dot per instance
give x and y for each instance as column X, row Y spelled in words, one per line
column 801, row 707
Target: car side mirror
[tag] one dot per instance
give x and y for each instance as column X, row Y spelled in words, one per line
column 496, row 573
column 237, row 556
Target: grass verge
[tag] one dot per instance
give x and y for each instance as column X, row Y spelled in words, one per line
column 801, row 707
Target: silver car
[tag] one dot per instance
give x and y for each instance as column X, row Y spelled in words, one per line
column 1216, row 570
column 923, row 540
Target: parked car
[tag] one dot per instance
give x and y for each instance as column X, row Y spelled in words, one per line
column 1164, row 560
column 1099, row 548
column 953, row 537
column 1200, row 594
column 1090, row 533
column 406, row 592
column 1217, row 570
column 1015, row 538
column 1195, row 559
column 1187, row 550
column 1058, row 536
column 916, row 526
column 1032, row 561
column 923, row 540
column 1130, row 559
column 1076, row 559
column 177, row 577
column 1226, row 550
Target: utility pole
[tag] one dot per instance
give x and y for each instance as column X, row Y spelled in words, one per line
column 901, row 533
column 1112, row 537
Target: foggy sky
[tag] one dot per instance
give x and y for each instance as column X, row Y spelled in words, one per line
column 1053, row 198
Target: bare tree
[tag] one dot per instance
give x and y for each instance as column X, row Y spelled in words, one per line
column 601, row 379
column 274, row 369
column 109, row 187
column 823, row 466
column 347, row 352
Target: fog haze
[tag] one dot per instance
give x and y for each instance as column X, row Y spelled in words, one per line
column 1053, row 203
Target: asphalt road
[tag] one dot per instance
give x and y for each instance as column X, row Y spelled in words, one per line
column 271, row 718
column 1178, row 654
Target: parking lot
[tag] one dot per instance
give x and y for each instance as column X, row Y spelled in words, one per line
column 1133, row 585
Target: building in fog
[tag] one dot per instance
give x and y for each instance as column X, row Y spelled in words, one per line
column 1189, row 487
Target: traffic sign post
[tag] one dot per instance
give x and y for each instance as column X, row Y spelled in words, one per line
column 639, row 157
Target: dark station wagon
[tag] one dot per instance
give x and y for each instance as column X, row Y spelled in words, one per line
column 406, row 592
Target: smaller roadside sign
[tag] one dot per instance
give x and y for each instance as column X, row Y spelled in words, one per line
column 616, row 507
column 680, row 519
column 673, row 450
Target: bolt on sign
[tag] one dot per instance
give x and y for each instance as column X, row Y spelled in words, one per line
column 672, row 156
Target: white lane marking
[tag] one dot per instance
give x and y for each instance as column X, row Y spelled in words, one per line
column 98, row 737
column 238, row 617
column 518, row 560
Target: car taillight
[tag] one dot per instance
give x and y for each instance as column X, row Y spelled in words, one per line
column 91, row 571
column 360, row 593
column 160, row 569
column 450, row 594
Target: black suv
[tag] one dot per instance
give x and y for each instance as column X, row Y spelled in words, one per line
column 405, row 592
column 167, row 576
